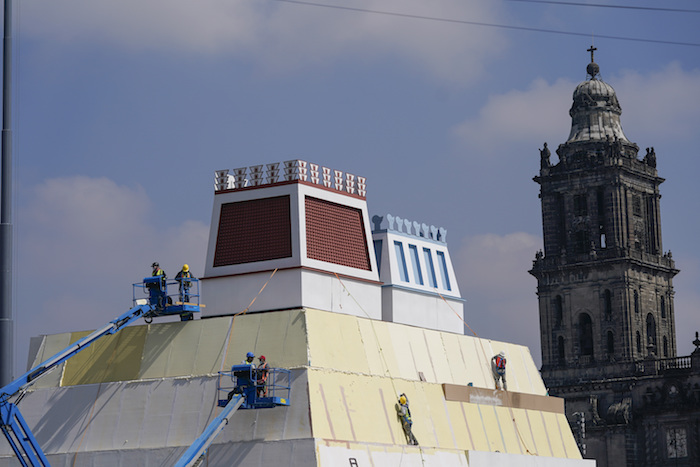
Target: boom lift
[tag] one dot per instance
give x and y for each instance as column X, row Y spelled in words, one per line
column 159, row 303
column 245, row 392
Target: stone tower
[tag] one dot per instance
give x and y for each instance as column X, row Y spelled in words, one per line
column 605, row 291
column 604, row 284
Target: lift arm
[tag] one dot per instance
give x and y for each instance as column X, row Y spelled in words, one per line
column 201, row 444
column 12, row 423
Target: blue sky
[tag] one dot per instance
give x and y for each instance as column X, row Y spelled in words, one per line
column 124, row 110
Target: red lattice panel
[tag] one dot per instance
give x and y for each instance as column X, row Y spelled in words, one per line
column 335, row 234
column 255, row 230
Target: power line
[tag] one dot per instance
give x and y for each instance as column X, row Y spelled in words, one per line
column 491, row 25
column 599, row 5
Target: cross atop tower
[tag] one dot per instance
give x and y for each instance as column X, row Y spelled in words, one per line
column 591, row 50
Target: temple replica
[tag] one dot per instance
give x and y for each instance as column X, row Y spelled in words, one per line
column 358, row 309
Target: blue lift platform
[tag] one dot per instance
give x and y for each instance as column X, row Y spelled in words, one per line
column 242, row 392
column 158, row 302
column 166, row 297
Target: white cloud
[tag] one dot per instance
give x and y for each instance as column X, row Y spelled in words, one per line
column 81, row 243
column 278, row 34
column 658, row 106
column 500, row 296
column 519, row 117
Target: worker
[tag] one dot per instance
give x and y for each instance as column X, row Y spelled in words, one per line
column 157, row 271
column 185, row 285
column 249, row 357
column 159, row 293
column 261, row 376
column 498, row 367
column 404, row 413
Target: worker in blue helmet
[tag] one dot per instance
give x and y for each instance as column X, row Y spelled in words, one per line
column 249, row 357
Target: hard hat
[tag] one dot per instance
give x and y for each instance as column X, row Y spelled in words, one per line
column 185, row 267
column 502, row 354
column 250, row 355
column 155, row 265
column 262, row 357
column 402, row 399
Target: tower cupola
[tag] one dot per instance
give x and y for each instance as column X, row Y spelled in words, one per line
column 595, row 113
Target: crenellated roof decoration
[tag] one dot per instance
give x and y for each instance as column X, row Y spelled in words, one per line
column 292, row 170
column 401, row 225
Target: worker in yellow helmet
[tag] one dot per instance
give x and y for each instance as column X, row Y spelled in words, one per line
column 405, row 415
column 185, row 285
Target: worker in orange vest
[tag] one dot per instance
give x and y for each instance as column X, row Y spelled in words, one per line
column 498, row 367
column 262, row 372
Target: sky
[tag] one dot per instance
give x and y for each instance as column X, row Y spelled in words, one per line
column 122, row 111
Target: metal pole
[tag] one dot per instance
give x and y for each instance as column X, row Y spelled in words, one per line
column 6, row 324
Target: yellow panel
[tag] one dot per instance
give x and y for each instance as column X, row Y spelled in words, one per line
column 335, row 342
column 408, row 343
column 381, row 359
column 112, row 358
column 353, row 408
column 475, row 354
column 570, row 446
column 508, row 431
column 329, row 406
column 550, row 420
column 533, row 372
column 437, row 353
column 493, row 431
column 453, row 356
column 539, row 432
column 525, row 434
column 458, row 422
column 477, row 429
column 429, row 406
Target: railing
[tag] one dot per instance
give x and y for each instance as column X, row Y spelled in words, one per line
column 275, row 390
column 258, row 175
column 172, row 296
column 557, row 261
column 656, row 367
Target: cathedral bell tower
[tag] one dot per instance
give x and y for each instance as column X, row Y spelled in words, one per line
column 604, row 284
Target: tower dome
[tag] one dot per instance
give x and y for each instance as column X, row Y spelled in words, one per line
column 595, row 113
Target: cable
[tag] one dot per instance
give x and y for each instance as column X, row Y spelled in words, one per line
column 599, row 5
column 491, row 25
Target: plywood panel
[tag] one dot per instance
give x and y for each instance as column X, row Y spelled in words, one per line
column 555, row 437
column 438, row 356
column 280, row 336
column 493, row 431
column 459, row 373
column 380, row 355
column 476, row 357
column 508, row 431
column 335, row 342
column 111, row 358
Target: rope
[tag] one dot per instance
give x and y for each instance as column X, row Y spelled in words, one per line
column 233, row 318
column 256, row 297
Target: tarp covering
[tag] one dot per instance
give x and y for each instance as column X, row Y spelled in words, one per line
column 142, row 396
